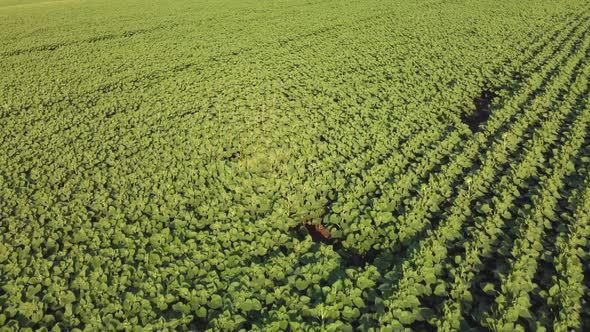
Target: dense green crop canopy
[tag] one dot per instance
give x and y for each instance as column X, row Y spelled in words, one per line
column 302, row 165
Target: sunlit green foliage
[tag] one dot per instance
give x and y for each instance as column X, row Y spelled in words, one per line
column 159, row 161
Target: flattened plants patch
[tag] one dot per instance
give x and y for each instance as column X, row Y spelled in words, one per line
column 319, row 233
column 482, row 111
column 350, row 257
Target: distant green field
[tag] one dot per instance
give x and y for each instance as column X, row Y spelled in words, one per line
column 320, row 165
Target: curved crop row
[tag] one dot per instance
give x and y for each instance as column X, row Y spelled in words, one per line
column 416, row 272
